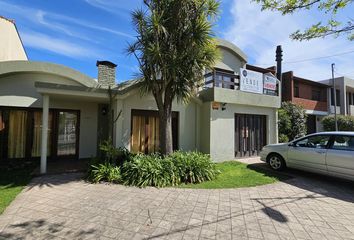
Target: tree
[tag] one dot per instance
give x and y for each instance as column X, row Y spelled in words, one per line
column 297, row 116
column 174, row 46
column 330, row 8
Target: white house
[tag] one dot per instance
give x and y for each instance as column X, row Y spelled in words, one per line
column 50, row 111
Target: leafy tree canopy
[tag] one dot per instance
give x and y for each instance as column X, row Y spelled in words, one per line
column 330, row 8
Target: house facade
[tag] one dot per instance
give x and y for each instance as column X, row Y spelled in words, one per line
column 50, row 111
column 344, row 95
column 311, row 95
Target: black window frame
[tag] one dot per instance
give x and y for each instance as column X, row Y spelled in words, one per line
column 314, row 96
column 294, row 144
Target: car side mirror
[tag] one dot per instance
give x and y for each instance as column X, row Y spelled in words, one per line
column 292, row 145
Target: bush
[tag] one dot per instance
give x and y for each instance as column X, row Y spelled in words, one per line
column 179, row 167
column 149, row 170
column 292, row 121
column 283, row 138
column 105, row 172
column 193, row 167
column 345, row 123
column 113, row 155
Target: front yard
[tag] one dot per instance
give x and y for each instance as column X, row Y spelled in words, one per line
column 235, row 175
column 12, row 181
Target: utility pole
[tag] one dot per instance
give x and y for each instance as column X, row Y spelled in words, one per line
column 335, row 98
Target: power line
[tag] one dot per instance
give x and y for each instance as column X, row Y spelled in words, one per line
column 311, row 59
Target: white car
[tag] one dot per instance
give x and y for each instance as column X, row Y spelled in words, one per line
column 330, row 153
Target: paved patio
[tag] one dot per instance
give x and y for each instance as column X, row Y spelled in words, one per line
column 63, row 206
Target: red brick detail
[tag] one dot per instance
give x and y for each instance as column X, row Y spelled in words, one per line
column 311, row 104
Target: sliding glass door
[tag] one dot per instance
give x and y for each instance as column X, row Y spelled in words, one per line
column 17, row 138
column 37, row 134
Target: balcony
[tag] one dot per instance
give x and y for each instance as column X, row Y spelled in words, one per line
column 224, row 87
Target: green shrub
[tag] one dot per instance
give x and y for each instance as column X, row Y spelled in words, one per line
column 283, row 138
column 193, row 167
column 113, row 155
column 345, row 123
column 105, row 172
column 179, row 167
column 292, row 121
column 149, row 170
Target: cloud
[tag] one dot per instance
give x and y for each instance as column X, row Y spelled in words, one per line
column 58, row 22
column 59, row 46
column 258, row 33
column 121, row 8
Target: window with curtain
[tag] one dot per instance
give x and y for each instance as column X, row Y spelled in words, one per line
column 37, row 134
column 17, row 134
column 145, row 135
column 2, row 122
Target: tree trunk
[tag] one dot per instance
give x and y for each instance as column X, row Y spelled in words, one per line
column 166, row 145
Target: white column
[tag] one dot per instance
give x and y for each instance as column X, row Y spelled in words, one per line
column 44, row 143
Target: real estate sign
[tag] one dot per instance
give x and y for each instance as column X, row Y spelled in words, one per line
column 251, row 81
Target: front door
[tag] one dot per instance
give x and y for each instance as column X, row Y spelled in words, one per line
column 309, row 153
column 67, row 133
column 250, row 134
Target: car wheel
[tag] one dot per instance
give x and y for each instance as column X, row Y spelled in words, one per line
column 276, row 162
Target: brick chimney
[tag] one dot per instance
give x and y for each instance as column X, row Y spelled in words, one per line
column 106, row 73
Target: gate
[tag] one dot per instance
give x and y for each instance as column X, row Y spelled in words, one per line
column 250, row 134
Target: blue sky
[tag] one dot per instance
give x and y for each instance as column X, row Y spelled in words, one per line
column 77, row 33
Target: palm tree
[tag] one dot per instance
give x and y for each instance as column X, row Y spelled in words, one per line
column 174, row 46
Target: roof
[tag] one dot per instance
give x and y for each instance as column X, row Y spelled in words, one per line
column 232, row 47
column 271, row 69
column 15, row 67
column 306, row 81
column 333, row 133
column 7, row 19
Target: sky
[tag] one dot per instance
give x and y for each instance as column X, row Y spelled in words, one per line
column 77, row 33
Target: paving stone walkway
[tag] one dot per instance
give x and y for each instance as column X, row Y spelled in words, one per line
column 65, row 207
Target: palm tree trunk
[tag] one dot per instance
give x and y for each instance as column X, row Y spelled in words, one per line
column 166, row 146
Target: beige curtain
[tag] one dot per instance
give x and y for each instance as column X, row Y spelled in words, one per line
column 138, row 134
column 37, row 134
column 17, row 134
column 145, row 134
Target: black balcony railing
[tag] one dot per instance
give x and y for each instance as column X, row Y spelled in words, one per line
column 229, row 81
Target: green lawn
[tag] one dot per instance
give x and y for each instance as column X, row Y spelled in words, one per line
column 235, row 175
column 12, row 181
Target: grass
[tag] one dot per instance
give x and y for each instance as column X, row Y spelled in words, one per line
column 12, row 181
column 236, row 175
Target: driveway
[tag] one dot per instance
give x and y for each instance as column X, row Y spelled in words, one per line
column 64, row 206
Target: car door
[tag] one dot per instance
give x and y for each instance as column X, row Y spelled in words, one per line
column 340, row 157
column 309, row 153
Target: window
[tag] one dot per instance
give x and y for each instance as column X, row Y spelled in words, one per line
column 296, row 90
column 316, row 94
column 337, row 97
column 319, row 141
column 67, row 133
column 145, row 137
column 345, row 143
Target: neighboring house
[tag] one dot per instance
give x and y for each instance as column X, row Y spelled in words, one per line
column 231, row 116
column 309, row 94
column 11, row 47
column 344, row 95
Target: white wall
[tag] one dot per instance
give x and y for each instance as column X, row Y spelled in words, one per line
column 18, row 89
column 187, row 120
column 222, row 130
column 10, row 43
column 229, row 61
